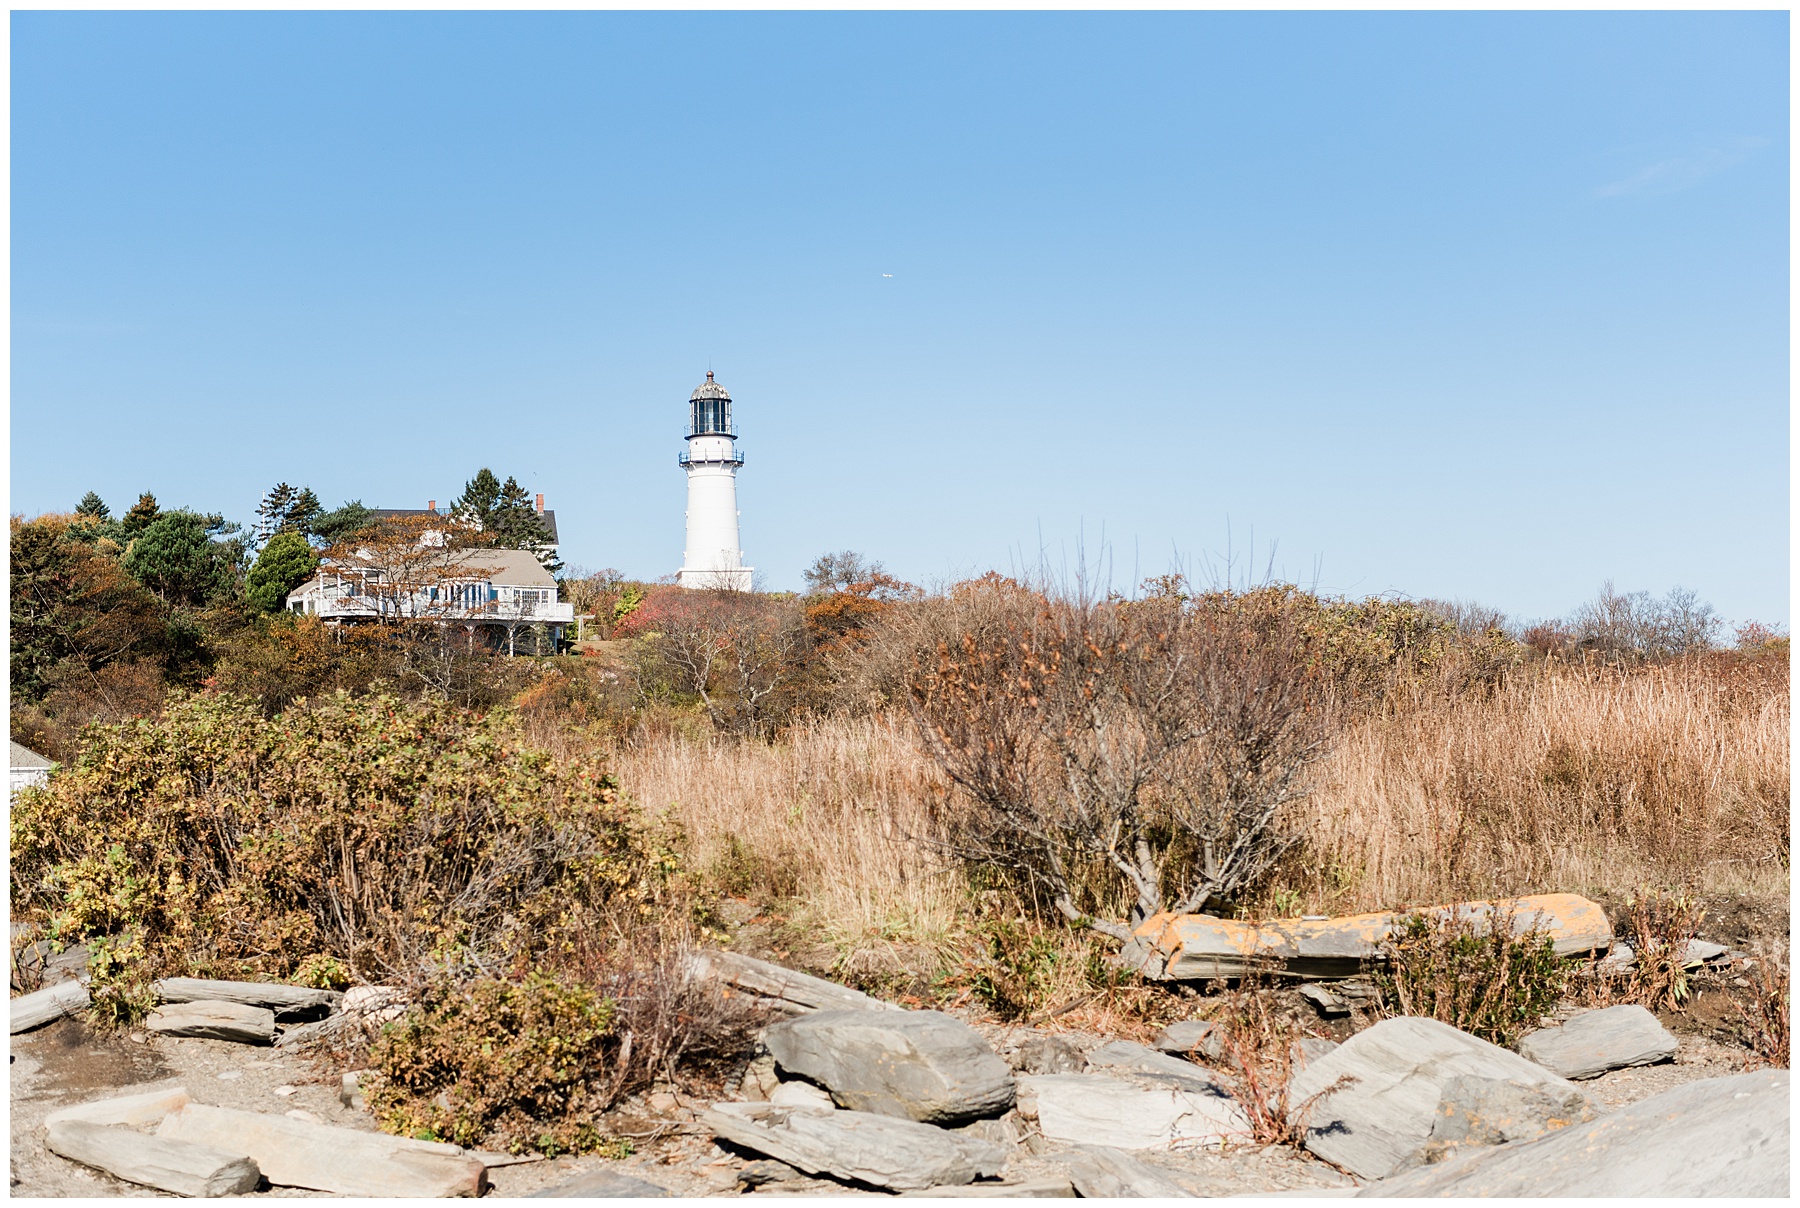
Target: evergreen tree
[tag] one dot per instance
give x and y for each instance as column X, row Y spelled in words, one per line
column 176, row 558
column 332, row 527
column 93, row 507
column 142, row 515
column 505, row 516
column 286, row 562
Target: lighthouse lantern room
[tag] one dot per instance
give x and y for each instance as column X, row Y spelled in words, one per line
column 712, row 558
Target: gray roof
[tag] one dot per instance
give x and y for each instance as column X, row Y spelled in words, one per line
column 709, row 389
column 501, row 567
column 25, row 757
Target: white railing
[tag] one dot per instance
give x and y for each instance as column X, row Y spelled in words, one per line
column 511, row 606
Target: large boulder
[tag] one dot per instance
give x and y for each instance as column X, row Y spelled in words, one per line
column 1102, row 1110
column 915, row 1065
column 1718, row 1137
column 1475, row 1111
column 1597, row 1041
column 1396, row 1071
column 857, row 1147
column 1147, row 1065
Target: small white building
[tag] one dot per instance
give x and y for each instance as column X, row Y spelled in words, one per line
column 29, row 770
column 712, row 557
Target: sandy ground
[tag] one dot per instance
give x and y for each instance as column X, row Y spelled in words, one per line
column 67, row 1062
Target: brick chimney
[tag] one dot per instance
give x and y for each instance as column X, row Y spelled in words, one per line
column 431, row 505
column 540, row 502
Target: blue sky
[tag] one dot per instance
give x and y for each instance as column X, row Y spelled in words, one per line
column 1492, row 306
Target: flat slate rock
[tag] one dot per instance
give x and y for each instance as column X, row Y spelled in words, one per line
column 40, row 1007
column 1187, row 1035
column 1720, row 1137
column 913, row 1065
column 214, row 1021
column 602, row 1185
column 1104, row 1110
column 147, row 1107
column 1100, row 1172
column 857, row 1147
column 1146, row 1064
column 181, row 1167
column 1383, row 1121
column 1594, row 1042
column 279, row 998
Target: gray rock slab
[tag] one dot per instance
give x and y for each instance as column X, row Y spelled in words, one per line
column 40, row 1007
column 1188, row 1035
column 1384, row 1118
column 1327, row 1003
column 767, row 1170
column 857, row 1147
column 602, row 1185
column 181, row 1167
column 785, row 989
column 1719, row 1137
column 214, row 1021
column 1146, row 1064
column 1307, row 1050
column 1101, row 1172
column 1034, row 1189
column 1104, row 1110
column 801, row 1094
column 281, row 999
column 297, row 1153
column 1040, row 1053
column 1476, row 1111
column 1594, row 1042
column 913, row 1065
column 148, row 1107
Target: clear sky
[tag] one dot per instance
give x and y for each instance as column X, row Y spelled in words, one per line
column 1492, row 306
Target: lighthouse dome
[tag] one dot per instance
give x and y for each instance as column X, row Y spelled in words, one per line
column 709, row 389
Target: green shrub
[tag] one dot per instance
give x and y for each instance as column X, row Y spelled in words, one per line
column 521, row 1066
column 389, row 838
column 1486, row 980
column 1018, row 967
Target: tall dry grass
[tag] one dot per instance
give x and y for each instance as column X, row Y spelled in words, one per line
column 830, row 818
column 1565, row 779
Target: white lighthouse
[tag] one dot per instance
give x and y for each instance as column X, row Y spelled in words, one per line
column 712, row 557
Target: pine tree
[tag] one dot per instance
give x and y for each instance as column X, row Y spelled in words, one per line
column 93, row 507
column 142, row 515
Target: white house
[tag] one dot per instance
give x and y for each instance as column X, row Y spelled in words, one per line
column 29, row 770
column 507, row 588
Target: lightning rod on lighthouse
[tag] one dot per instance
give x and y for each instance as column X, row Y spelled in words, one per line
column 712, row 558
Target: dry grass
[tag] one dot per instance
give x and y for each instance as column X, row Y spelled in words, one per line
column 1561, row 780
column 829, row 817
column 1566, row 779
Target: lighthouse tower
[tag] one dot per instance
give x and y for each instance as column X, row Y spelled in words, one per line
column 712, row 557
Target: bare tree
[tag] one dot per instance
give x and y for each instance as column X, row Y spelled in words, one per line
column 1153, row 744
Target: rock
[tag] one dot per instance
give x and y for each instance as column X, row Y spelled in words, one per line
column 1201, row 946
column 376, row 1004
column 146, row 1108
column 914, row 1065
column 293, row 1153
column 1329, row 1005
column 283, row 1000
column 1700, row 952
column 1035, row 1189
column 857, row 1147
column 1307, row 1050
column 767, row 1170
column 1104, row 1110
column 786, row 990
column 1191, row 1035
column 1400, row 1066
column 760, row 1079
column 603, row 1185
column 52, row 1002
column 1488, row 1111
column 1003, row 1132
column 350, row 1090
column 300, row 1113
column 1099, row 1172
column 214, row 1021
column 1597, row 1041
column 167, row 1165
column 1042, row 1053
column 1719, row 1137
column 1144, row 1064
column 801, row 1094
